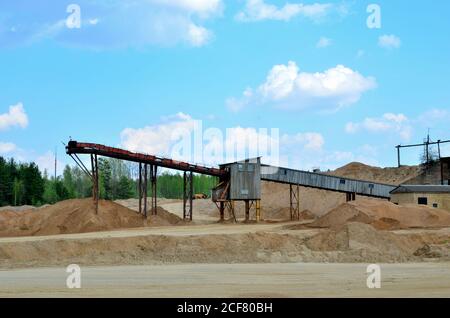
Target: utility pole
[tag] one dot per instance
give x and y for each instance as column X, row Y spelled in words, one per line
column 427, row 146
column 56, row 160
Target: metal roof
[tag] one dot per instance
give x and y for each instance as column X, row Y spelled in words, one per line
column 407, row 188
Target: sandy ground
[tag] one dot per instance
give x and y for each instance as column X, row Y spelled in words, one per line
column 231, row 280
column 183, row 230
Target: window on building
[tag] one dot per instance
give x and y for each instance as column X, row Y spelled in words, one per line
column 342, row 181
column 435, row 205
column 422, row 201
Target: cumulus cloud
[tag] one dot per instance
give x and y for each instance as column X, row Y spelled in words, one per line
column 258, row 10
column 308, row 140
column 184, row 138
column 198, row 35
column 323, row 43
column 158, row 139
column 289, row 88
column 389, row 122
column 15, row 117
column 113, row 24
column 389, row 41
column 7, row 147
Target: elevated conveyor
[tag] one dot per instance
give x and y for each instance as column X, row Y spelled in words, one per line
column 325, row 182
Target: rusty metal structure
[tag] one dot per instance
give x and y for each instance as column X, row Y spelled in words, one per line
column 238, row 181
column 148, row 168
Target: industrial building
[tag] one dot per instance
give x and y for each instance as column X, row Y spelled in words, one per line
column 436, row 196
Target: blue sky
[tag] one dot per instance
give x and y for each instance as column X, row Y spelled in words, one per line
column 135, row 71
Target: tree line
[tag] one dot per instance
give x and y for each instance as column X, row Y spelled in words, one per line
column 24, row 184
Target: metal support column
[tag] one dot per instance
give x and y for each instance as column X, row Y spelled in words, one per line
column 398, row 155
column 153, row 179
column 95, row 191
column 350, row 196
column 258, row 210
column 247, row 210
column 222, row 210
column 188, row 194
column 143, row 181
column 230, row 207
column 140, row 188
column 144, row 189
column 295, row 202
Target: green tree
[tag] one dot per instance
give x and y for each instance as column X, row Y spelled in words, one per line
column 105, row 179
column 69, row 183
column 18, row 191
column 124, row 188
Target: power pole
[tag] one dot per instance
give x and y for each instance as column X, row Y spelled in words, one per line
column 428, row 142
column 56, row 160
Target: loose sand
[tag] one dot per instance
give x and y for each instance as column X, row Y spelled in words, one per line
column 384, row 215
column 391, row 175
column 78, row 216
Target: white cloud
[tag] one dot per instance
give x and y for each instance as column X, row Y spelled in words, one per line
column 323, row 43
column 389, row 41
column 433, row 116
column 388, row 123
column 289, row 88
column 201, row 7
column 258, row 10
column 117, row 24
column 15, row 117
column 7, row 147
column 93, row 21
column 309, row 140
column 158, row 139
column 198, row 35
column 237, row 104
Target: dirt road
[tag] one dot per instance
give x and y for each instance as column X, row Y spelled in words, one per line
column 231, row 280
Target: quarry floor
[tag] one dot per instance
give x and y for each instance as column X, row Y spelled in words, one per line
column 231, row 280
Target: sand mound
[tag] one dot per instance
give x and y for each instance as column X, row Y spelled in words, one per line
column 368, row 240
column 395, row 176
column 307, row 215
column 384, row 215
column 77, row 216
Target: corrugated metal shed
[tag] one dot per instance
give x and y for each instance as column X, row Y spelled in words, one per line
column 245, row 179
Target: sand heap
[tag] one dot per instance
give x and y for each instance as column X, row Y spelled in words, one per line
column 394, row 175
column 383, row 215
column 362, row 241
column 77, row 216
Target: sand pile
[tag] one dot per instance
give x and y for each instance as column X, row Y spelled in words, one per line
column 395, row 176
column 77, row 216
column 384, row 215
column 355, row 242
column 285, row 214
column 366, row 239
